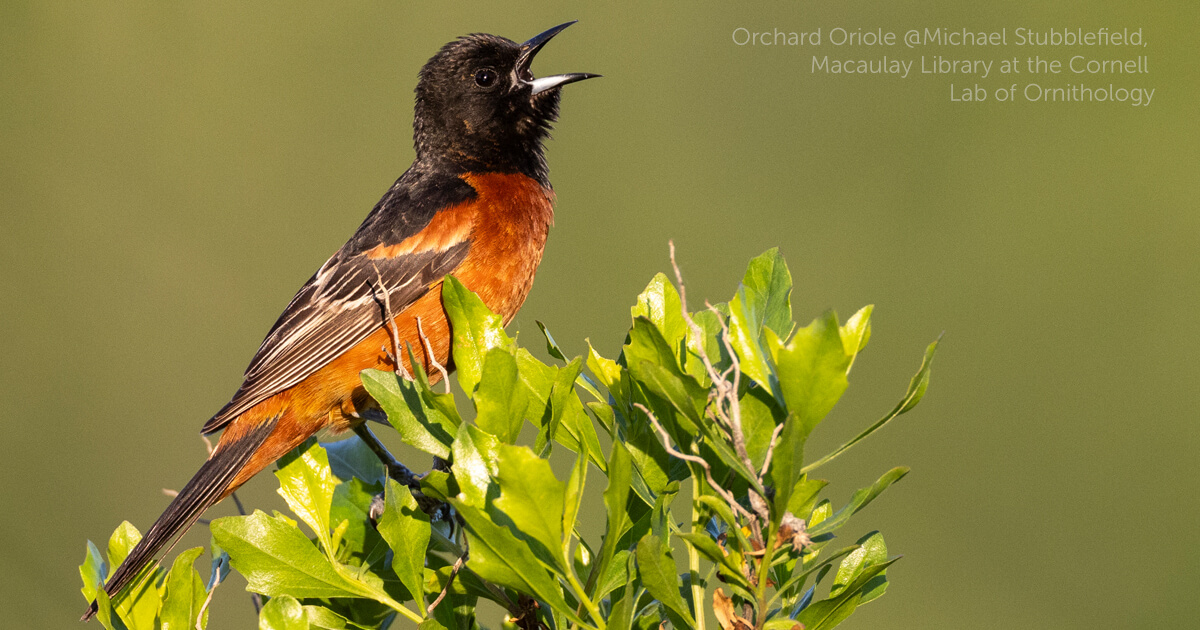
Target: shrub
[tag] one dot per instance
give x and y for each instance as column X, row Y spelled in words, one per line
column 723, row 398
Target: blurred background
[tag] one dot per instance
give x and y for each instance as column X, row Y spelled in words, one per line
column 170, row 174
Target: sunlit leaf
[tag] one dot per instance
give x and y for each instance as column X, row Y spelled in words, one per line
column 916, row 391
column 306, row 483
column 533, row 498
column 659, row 303
column 185, row 594
column 282, row 613
column 476, row 330
column 406, row 529
column 498, row 556
column 859, row 501
column 137, row 604
column 499, row 403
column 871, row 551
column 420, row 425
column 276, row 558
column 475, row 456
column 93, row 571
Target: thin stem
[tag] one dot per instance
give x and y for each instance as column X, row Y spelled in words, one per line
column 764, row 568
column 592, row 608
column 694, row 562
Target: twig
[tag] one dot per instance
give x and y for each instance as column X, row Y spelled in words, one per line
column 726, row 409
column 395, row 469
column 695, row 459
column 770, row 451
column 458, row 564
column 389, row 322
column 208, row 600
column 433, row 358
column 687, row 317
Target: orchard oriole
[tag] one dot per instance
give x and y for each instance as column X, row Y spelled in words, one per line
column 475, row 203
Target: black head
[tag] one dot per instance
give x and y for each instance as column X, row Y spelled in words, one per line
column 479, row 107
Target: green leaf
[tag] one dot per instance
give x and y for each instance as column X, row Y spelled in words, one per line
column 657, row 570
column 871, row 551
column 322, row 618
column 814, row 564
column 573, row 499
column 710, row 328
column 419, row 424
column 106, row 615
column 573, row 426
column 306, row 483
column 654, row 364
column 185, row 594
column 352, row 505
column 787, row 465
column 916, row 391
column 768, row 288
column 804, row 496
column 856, row 332
column 498, row 556
column 616, row 500
column 475, row 455
column 823, row 511
column 812, row 370
column 762, row 303
column 709, row 548
column 475, row 329
column 828, row 613
column 124, row 538
column 624, row 607
column 859, row 501
column 610, row 375
column 615, row 576
column 276, row 558
column 760, row 415
column 499, row 403
column 659, row 304
column 282, row 613
column 92, row 571
column 137, row 604
column 406, row 529
column 745, row 336
column 351, row 458
column 533, row 498
column 551, row 345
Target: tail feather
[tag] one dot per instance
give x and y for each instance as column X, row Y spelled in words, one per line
column 203, row 491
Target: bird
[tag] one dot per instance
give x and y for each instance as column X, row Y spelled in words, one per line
column 475, row 203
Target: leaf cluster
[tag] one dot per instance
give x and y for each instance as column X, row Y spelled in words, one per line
column 723, row 398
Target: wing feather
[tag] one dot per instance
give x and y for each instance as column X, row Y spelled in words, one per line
column 335, row 310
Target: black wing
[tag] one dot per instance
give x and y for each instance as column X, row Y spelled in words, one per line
column 339, row 306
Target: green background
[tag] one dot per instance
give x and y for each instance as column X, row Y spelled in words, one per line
column 171, row 173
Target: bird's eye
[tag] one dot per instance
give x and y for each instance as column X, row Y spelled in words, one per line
column 485, row 78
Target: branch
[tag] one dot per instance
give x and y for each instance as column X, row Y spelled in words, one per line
column 458, row 564
column 695, row 459
column 770, row 451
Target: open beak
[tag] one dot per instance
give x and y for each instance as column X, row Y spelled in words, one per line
column 530, row 49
